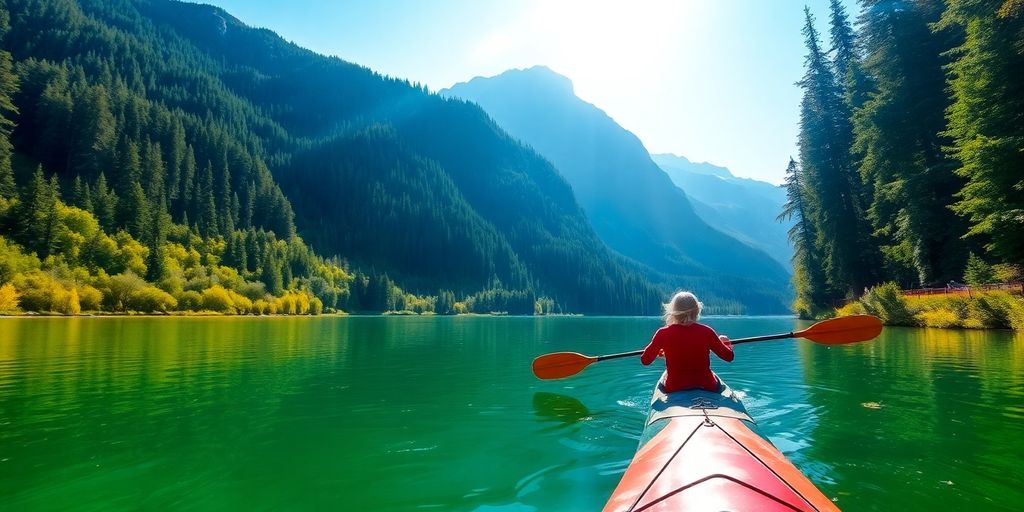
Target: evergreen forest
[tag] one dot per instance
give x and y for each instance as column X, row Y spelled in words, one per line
column 911, row 149
column 161, row 156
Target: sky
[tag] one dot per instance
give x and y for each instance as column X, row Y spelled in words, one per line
column 711, row 80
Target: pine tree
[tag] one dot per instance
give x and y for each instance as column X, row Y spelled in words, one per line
column 271, row 274
column 152, row 171
column 188, row 184
column 829, row 181
column 105, row 204
column 8, row 110
column 897, row 133
column 93, row 133
column 225, row 220
column 206, row 208
column 37, row 213
column 157, row 232
column 985, row 121
column 137, row 207
column 77, row 191
column 844, row 48
column 977, row 271
column 127, row 174
column 808, row 277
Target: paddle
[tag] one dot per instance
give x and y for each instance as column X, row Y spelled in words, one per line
column 837, row 331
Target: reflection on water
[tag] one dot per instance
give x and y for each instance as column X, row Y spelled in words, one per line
column 375, row 413
column 559, row 408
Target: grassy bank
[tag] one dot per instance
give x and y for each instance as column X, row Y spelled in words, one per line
column 984, row 310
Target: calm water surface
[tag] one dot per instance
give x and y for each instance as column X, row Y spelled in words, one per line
column 373, row 413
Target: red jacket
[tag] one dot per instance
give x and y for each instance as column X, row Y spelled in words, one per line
column 687, row 356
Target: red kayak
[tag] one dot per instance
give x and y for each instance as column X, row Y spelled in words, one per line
column 699, row 452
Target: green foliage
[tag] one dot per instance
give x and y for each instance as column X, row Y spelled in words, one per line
column 984, row 121
column 993, row 310
column 977, row 271
column 89, row 298
column 886, row 302
column 934, row 104
column 14, row 261
column 999, row 310
column 118, row 290
column 909, row 180
column 161, row 128
column 189, row 300
column 834, row 257
column 150, row 299
column 43, row 292
column 1007, row 273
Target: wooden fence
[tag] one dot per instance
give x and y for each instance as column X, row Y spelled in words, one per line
column 966, row 290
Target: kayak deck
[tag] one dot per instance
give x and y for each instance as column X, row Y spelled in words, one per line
column 698, row 452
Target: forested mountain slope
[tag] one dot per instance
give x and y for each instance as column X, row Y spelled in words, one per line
column 220, row 128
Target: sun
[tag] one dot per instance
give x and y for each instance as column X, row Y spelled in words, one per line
column 598, row 44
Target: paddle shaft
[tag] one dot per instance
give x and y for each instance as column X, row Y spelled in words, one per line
column 734, row 342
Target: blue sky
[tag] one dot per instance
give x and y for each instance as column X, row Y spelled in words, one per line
column 712, row 80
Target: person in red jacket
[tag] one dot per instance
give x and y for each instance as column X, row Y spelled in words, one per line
column 686, row 346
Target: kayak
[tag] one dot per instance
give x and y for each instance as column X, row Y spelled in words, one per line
column 699, row 451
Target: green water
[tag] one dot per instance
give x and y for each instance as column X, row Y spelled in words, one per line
column 443, row 414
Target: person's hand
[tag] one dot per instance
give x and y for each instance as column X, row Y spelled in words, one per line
column 725, row 340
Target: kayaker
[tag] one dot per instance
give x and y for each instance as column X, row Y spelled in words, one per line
column 686, row 346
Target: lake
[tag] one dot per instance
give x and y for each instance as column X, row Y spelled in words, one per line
column 432, row 413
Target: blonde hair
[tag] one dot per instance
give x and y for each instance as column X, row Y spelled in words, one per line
column 684, row 308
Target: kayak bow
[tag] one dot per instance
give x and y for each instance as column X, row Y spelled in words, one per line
column 699, row 452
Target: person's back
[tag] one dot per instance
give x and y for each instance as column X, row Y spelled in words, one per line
column 686, row 346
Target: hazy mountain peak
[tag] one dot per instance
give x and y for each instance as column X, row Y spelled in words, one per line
column 536, row 79
column 672, row 160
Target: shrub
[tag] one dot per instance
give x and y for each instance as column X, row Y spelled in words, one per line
column 886, row 302
column 1006, row 273
column 13, row 261
column 8, row 298
column 261, row 307
column 90, row 298
column 216, row 298
column 189, row 300
column 242, row 304
column 254, row 291
column 150, row 298
column 66, row 302
column 120, row 289
column 37, row 291
column 853, row 308
column 998, row 310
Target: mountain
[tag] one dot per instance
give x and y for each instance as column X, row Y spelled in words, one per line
column 742, row 208
column 228, row 129
column 634, row 206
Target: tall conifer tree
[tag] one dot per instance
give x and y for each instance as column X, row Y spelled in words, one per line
column 829, row 182
column 897, row 132
column 986, row 120
column 8, row 87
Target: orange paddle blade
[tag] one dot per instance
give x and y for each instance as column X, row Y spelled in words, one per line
column 560, row 364
column 839, row 331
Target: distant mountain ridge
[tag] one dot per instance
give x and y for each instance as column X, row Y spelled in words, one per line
column 372, row 170
column 744, row 208
column 633, row 205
